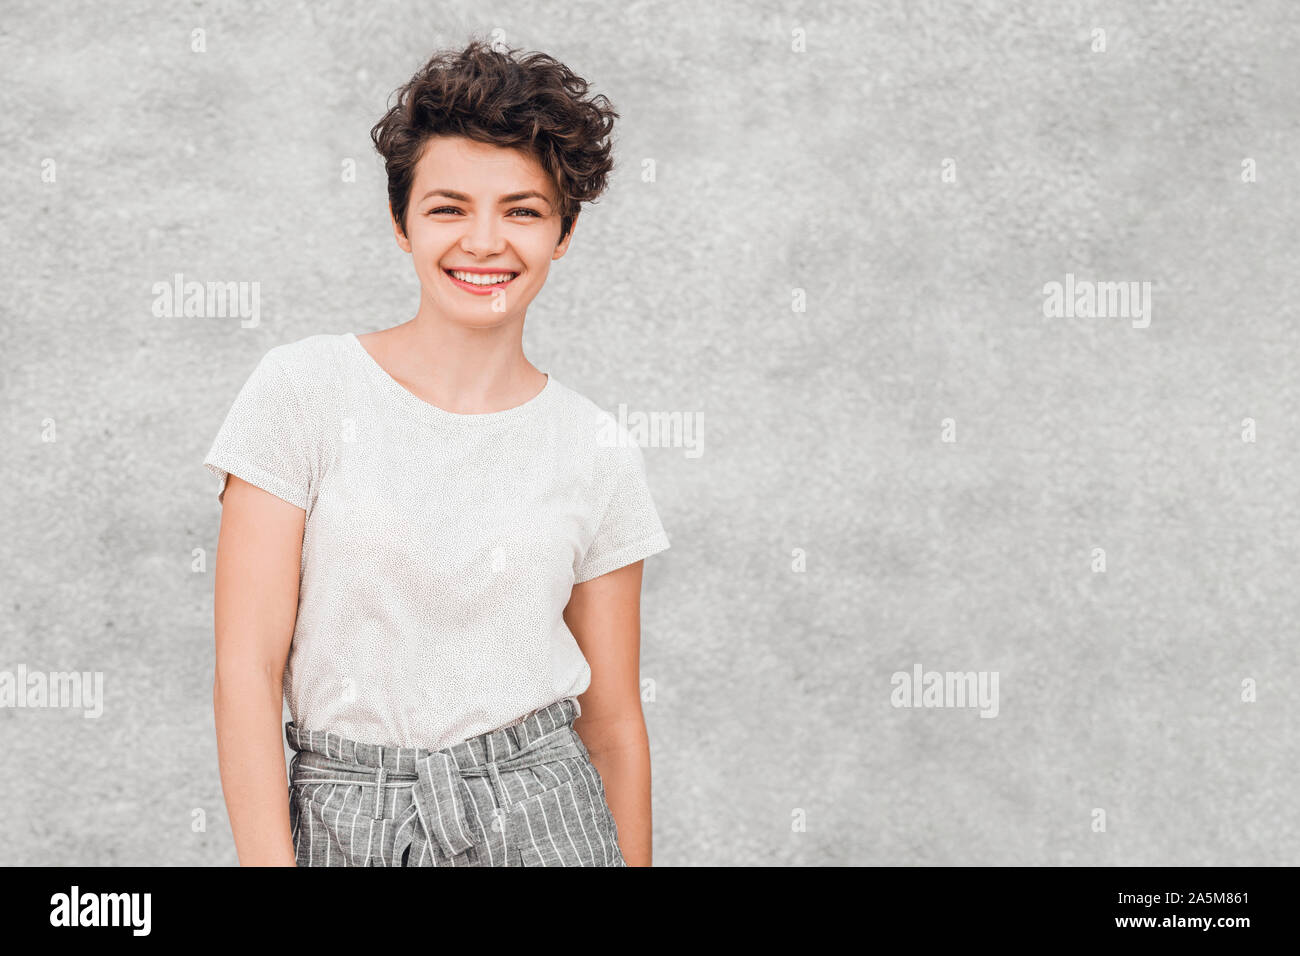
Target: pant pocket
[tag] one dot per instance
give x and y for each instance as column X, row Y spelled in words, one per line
column 328, row 826
column 568, row 825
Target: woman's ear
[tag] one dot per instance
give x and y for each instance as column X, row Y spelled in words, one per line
column 563, row 246
column 397, row 231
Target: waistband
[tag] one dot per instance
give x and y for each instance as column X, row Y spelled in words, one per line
column 437, row 776
column 491, row 747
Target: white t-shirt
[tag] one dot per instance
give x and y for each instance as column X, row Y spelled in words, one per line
column 440, row 549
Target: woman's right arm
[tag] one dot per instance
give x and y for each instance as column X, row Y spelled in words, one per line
column 259, row 555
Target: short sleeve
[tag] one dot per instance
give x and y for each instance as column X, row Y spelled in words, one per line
column 630, row 528
column 265, row 438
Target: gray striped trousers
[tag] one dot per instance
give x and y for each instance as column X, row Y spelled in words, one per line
column 523, row 795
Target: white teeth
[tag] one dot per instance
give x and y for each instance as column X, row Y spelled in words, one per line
column 475, row 278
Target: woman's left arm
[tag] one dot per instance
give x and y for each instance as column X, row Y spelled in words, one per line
column 604, row 615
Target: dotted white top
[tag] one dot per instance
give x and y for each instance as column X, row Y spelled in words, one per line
column 440, row 549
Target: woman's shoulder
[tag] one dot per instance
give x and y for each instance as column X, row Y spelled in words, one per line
column 309, row 352
column 310, row 358
column 590, row 426
column 575, row 410
column 312, row 364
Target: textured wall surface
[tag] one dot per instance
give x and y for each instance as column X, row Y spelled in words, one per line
column 838, row 267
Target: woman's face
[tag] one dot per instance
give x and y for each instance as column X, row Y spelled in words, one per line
column 486, row 210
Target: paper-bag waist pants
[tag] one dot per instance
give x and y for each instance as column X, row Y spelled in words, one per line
column 523, row 795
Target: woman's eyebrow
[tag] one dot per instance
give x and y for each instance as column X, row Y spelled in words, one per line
column 510, row 197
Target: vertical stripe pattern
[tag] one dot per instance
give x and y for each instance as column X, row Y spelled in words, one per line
column 522, row 795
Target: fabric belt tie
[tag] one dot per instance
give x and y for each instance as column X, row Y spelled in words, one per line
column 440, row 793
column 440, row 797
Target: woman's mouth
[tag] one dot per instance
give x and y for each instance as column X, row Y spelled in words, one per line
column 480, row 283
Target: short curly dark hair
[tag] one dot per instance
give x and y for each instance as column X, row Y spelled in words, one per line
column 534, row 103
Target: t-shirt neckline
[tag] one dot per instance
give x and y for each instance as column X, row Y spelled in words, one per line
column 434, row 413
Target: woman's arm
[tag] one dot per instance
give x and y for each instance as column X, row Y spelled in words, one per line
column 604, row 615
column 259, row 555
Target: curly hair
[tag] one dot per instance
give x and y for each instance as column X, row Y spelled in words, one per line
column 535, row 104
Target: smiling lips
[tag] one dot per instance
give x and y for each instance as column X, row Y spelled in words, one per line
column 481, row 281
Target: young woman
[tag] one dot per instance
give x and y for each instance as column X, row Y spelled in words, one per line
column 431, row 549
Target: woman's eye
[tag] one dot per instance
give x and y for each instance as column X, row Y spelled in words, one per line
column 453, row 209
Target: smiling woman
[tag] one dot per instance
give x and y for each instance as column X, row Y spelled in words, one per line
column 431, row 548
column 534, row 104
column 482, row 211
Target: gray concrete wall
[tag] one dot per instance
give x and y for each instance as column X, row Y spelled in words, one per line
column 839, row 266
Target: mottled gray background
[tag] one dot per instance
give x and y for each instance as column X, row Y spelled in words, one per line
column 776, row 170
